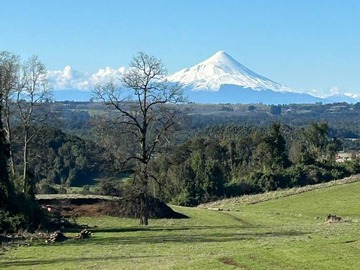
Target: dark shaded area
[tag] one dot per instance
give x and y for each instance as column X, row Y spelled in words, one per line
column 75, row 201
column 170, row 229
column 129, row 207
column 26, row 262
column 230, row 261
column 211, row 237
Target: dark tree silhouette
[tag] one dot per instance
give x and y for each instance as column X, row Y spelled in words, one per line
column 144, row 111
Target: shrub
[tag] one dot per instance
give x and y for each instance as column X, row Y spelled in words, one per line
column 110, row 187
column 46, row 188
column 86, row 190
column 10, row 222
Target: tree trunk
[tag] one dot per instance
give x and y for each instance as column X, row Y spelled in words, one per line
column 144, row 197
column 144, row 210
column 9, row 139
column 4, row 154
column 11, row 161
column 25, row 161
column 9, row 142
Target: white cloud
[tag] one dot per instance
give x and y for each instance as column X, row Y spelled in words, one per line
column 336, row 90
column 69, row 78
column 107, row 74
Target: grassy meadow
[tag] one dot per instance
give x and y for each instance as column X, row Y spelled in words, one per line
column 281, row 233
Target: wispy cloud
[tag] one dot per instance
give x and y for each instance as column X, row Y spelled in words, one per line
column 69, row 78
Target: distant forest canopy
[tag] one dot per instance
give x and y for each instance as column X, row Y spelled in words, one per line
column 342, row 118
column 217, row 150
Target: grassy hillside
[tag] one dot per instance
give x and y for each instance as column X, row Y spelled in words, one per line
column 284, row 233
column 271, row 195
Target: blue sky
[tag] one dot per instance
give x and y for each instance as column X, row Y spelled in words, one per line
column 304, row 44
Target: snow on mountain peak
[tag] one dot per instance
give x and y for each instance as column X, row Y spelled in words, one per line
column 221, row 69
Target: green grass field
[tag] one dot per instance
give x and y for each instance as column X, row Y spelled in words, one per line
column 282, row 233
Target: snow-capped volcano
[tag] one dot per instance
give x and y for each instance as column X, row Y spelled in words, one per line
column 221, row 69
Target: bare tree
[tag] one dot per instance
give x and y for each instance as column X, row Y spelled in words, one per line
column 32, row 94
column 143, row 110
column 9, row 65
column 4, row 146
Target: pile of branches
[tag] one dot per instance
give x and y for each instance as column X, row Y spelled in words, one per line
column 56, row 236
column 129, row 207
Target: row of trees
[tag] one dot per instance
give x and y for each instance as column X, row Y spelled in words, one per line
column 229, row 160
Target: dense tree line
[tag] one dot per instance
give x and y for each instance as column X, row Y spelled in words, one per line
column 219, row 160
column 64, row 159
column 230, row 160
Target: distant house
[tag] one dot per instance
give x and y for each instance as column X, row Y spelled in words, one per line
column 346, row 156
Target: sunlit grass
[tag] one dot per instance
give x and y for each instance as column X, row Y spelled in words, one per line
column 283, row 233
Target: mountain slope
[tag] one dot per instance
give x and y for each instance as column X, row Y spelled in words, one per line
column 221, row 69
column 221, row 79
column 237, row 94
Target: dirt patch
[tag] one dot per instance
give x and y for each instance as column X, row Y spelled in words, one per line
column 232, row 262
column 84, row 210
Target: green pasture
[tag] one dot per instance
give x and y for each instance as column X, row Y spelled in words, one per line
column 281, row 233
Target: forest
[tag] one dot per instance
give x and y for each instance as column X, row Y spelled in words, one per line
column 228, row 150
column 214, row 153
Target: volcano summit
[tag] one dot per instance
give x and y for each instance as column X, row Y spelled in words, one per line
column 221, row 79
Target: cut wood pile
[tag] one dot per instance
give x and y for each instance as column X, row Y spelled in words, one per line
column 56, row 236
column 83, row 234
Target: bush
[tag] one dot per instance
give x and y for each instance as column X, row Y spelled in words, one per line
column 110, row 187
column 238, row 189
column 24, row 214
column 62, row 190
column 86, row 190
column 10, row 222
column 294, row 176
column 45, row 188
column 353, row 166
column 186, row 199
